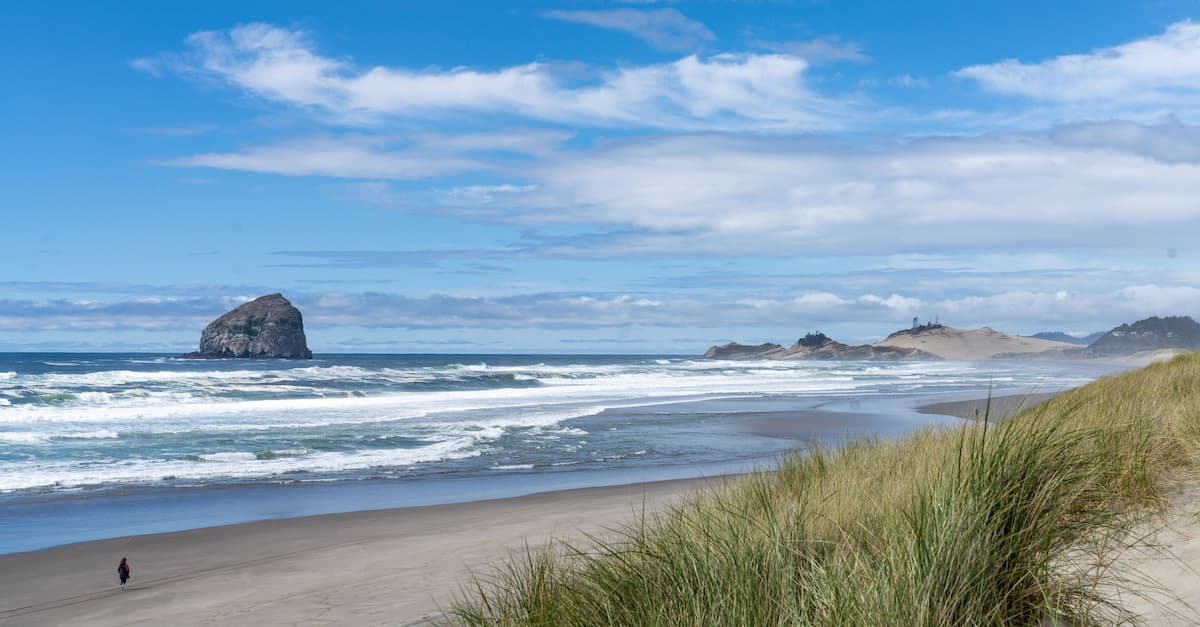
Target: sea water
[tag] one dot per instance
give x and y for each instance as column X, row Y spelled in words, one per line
column 91, row 425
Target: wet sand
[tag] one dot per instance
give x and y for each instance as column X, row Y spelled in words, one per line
column 996, row 408
column 365, row 568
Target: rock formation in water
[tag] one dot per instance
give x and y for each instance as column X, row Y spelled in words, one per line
column 818, row 346
column 268, row 327
column 1179, row 332
column 733, row 350
column 815, row 346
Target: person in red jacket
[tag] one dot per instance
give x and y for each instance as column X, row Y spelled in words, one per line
column 123, row 571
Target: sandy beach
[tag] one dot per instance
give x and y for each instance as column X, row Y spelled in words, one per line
column 365, row 568
column 400, row 566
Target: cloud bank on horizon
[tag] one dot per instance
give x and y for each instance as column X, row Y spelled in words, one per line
column 643, row 178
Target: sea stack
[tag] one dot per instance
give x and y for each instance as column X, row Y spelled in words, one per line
column 268, row 327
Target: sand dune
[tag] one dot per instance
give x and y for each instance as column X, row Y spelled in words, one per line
column 973, row 344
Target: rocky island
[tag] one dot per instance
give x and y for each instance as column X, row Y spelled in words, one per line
column 268, row 327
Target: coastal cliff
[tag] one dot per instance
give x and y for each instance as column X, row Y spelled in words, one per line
column 268, row 327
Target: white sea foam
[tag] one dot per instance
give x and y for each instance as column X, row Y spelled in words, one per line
column 227, row 457
column 21, row 437
column 158, row 410
column 64, row 474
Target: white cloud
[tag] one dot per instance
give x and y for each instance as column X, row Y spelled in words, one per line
column 1161, row 69
column 733, row 91
column 665, row 29
column 1099, row 187
column 997, row 192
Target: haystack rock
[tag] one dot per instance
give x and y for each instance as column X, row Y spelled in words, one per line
column 268, row 327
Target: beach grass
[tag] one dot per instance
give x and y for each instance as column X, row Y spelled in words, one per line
column 1013, row 523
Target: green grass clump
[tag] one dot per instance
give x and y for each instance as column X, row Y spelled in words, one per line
column 986, row 524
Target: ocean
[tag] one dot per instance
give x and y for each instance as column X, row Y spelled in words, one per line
column 199, row 442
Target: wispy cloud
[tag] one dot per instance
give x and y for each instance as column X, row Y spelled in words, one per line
column 665, row 29
column 908, row 81
column 736, row 91
column 392, row 157
column 825, row 49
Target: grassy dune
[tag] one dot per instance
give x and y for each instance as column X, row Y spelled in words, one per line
column 1007, row 524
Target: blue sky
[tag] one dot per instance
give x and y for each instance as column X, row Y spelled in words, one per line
column 595, row 176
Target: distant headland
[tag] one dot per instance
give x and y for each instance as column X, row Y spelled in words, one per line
column 933, row 340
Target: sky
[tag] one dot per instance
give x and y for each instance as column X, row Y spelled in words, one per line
column 594, row 177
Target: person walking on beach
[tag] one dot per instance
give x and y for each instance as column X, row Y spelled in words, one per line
column 123, row 571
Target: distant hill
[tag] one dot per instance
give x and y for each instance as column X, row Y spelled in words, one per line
column 1059, row 336
column 973, row 344
column 1153, row 333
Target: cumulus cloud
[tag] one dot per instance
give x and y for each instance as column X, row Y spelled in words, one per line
column 725, row 90
column 665, row 29
column 1161, row 69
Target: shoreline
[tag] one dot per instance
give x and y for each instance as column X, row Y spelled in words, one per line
column 38, row 522
column 358, row 567
column 365, row 566
column 996, row 408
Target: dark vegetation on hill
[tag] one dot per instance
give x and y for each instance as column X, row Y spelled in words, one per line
column 917, row 329
column 1152, row 333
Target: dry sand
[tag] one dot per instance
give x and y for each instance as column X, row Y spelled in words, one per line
column 366, row 568
column 1162, row 576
